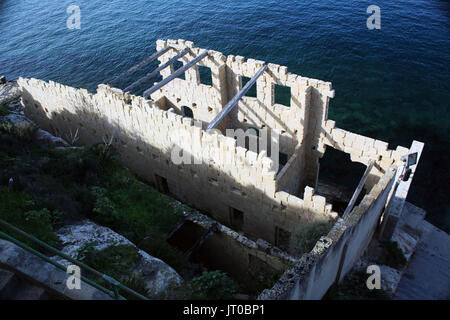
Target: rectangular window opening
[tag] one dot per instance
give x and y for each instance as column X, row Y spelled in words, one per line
column 161, row 184
column 282, row 160
column 282, row 238
column 236, row 219
column 177, row 65
column 252, row 91
column 205, row 75
column 282, row 95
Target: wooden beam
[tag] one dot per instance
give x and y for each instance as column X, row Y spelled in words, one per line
column 233, row 102
column 214, row 228
column 156, row 71
column 140, row 65
column 355, row 195
column 165, row 81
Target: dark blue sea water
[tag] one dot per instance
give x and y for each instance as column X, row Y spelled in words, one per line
column 391, row 84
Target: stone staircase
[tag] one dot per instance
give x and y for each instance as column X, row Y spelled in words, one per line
column 14, row 287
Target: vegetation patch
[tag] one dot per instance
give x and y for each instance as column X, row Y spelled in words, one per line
column 392, row 255
column 354, row 287
column 89, row 182
column 117, row 262
column 212, row 285
column 19, row 209
column 308, row 234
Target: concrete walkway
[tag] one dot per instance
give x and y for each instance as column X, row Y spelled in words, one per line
column 427, row 275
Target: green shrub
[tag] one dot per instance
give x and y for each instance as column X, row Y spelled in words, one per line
column 308, row 234
column 212, row 285
column 392, row 255
column 115, row 261
column 44, row 216
column 19, row 209
column 104, row 207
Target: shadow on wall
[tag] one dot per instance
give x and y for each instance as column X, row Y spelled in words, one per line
column 194, row 184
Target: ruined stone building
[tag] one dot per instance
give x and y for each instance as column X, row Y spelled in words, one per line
column 258, row 204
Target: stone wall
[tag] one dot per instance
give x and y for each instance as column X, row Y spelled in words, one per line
column 237, row 252
column 335, row 254
column 222, row 175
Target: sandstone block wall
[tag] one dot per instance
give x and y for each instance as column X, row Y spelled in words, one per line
column 223, row 176
column 237, row 252
column 334, row 254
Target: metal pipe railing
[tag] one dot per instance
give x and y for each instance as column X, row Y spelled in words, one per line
column 114, row 283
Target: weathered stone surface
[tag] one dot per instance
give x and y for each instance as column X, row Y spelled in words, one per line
column 158, row 276
column 9, row 91
column 19, row 124
column 427, row 273
column 47, row 138
column 389, row 279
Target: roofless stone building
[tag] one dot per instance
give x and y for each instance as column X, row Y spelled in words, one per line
column 257, row 191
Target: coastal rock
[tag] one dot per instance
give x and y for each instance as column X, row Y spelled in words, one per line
column 157, row 275
column 9, row 91
column 47, row 138
column 23, row 126
column 18, row 124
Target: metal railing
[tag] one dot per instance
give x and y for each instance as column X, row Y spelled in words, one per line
column 116, row 285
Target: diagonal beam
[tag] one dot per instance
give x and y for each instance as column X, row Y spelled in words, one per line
column 156, row 71
column 140, row 65
column 233, row 102
column 355, row 195
column 165, row 81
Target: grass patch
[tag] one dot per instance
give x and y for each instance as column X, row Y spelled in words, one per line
column 308, row 234
column 212, row 285
column 117, row 262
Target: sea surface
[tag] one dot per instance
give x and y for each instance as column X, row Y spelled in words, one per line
column 391, row 84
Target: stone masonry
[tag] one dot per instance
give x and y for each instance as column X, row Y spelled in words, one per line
column 224, row 178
